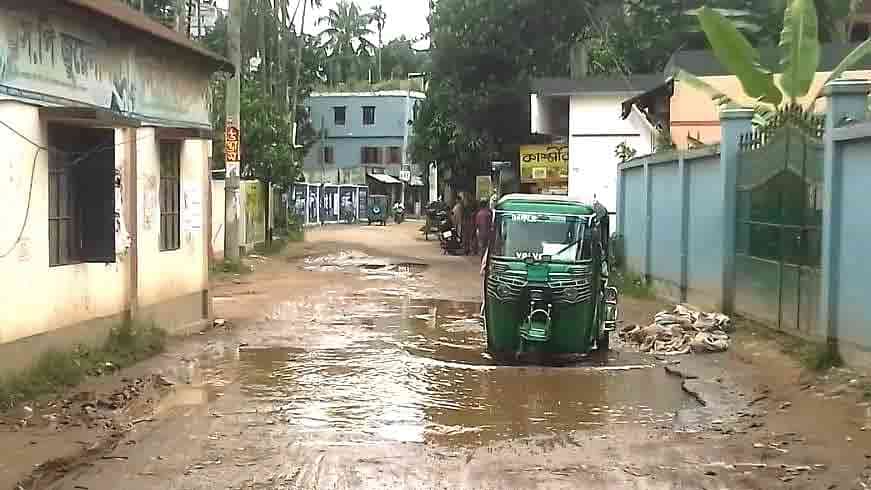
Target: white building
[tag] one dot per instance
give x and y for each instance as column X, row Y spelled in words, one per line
column 104, row 175
column 587, row 113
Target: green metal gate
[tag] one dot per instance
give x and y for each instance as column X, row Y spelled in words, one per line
column 779, row 221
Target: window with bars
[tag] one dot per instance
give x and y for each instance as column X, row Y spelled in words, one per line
column 81, row 195
column 170, row 195
column 368, row 115
column 339, row 115
column 370, row 155
column 394, row 154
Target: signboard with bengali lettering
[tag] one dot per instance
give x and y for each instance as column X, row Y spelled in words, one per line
column 544, row 163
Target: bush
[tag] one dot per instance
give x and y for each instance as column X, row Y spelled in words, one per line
column 630, row 284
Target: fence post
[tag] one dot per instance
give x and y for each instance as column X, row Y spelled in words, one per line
column 621, row 200
column 844, row 99
column 734, row 121
column 683, row 185
column 648, row 221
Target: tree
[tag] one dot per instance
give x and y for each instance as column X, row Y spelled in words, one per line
column 345, row 39
column 400, row 58
column 483, row 56
column 800, row 48
column 380, row 18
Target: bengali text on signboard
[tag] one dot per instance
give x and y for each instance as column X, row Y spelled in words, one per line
column 544, row 163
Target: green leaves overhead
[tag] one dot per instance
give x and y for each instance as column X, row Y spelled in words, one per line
column 855, row 56
column 799, row 42
column 739, row 57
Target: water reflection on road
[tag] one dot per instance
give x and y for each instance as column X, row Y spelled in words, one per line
column 394, row 368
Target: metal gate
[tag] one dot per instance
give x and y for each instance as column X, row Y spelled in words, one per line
column 779, row 221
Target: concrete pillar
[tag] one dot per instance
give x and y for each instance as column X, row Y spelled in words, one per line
column 683, row 185
column 845, row 100
column 734, row 121
column 648, row 221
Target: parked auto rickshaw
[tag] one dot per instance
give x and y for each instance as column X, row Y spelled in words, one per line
column 546, row 279
column 377, row 209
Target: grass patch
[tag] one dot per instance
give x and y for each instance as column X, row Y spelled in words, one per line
column 631, row 284
column 54, row 371
column 813, row 356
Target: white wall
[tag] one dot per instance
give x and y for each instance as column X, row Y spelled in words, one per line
column 164, row 275
column 218, row 203
column 595, row 130
column 34, row 297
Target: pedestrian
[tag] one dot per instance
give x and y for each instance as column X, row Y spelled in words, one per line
column 483, row 226
column 457, row 215
column 468, row 233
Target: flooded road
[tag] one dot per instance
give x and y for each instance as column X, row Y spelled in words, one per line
column 414, row 370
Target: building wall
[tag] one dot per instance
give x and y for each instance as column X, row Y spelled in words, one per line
column 218, row 204
column 694, row 113
column 346, row 140
column 47, row 299
column 165, row 275
column 595, row 131
column 38, row 298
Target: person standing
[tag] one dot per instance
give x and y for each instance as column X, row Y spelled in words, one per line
column 457, row 214
column 483, row 226
column 468, row 233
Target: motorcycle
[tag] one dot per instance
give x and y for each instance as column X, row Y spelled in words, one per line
column 448, row 237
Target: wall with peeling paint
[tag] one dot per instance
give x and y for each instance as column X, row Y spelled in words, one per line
column 34, row 297
column 164, row 275
column 63, row 56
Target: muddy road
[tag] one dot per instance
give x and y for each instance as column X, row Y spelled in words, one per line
column 358, row 362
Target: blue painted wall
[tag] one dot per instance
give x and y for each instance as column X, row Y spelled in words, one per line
column 348, row 139
column 633, row 217
column 705, row 243
column 853, row 269
column 665, row 243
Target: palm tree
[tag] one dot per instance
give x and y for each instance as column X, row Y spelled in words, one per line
column 379, row 16
column 345, row 35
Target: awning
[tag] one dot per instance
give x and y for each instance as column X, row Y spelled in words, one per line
column 385, row 179
column 416, row 182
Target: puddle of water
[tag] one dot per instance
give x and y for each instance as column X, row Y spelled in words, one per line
column 373, row 268
column 415, row 370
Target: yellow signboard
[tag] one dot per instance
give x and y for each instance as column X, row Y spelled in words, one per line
column 542, row 163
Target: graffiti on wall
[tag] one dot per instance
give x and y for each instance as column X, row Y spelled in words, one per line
column 61, row 56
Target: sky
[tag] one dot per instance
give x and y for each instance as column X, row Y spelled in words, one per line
column 406, row 17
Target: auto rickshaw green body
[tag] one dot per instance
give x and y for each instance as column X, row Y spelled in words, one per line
column 377, row 209
column 546, row 278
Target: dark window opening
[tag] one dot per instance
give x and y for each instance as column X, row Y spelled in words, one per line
column 370, row 155
column 81, row 195
column 860, row 32
column 339, row 115
column 170, row 195
column 394, row 154
column 368, row 115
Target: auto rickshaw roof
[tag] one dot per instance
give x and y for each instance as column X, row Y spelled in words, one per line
column 543, row 203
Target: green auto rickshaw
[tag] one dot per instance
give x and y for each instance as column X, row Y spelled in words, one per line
column 377, row 209
column 546, row 289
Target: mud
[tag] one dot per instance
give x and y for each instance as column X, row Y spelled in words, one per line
column 348, row 365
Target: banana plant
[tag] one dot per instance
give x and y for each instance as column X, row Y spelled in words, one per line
column 799, row 59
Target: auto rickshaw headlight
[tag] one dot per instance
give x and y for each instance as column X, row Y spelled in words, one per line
column 503, row 291
column 611, row 294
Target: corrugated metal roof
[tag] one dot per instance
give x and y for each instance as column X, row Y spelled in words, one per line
column 136, row 20
column 611, row 84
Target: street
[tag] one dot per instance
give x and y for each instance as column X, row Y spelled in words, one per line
column 356, row 361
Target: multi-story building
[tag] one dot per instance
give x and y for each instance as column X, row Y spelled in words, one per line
column 364, row 137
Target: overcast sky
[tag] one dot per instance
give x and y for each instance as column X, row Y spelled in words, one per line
column 406, row 17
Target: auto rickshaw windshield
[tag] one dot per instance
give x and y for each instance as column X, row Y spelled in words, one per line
column 522, row 236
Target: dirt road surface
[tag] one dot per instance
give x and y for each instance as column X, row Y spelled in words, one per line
column 356, row 360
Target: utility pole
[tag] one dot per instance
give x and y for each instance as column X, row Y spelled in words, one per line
column 233, row 134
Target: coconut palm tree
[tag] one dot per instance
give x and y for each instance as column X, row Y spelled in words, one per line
column 379, row 17
column 345, row 36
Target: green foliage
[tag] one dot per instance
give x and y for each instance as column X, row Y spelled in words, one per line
column 55, row 371
column 799, row 61
column 630, row 284
column 483, row 56
column 345, row 41
column 800, row 47
column 266, row 139
column 738, row 56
